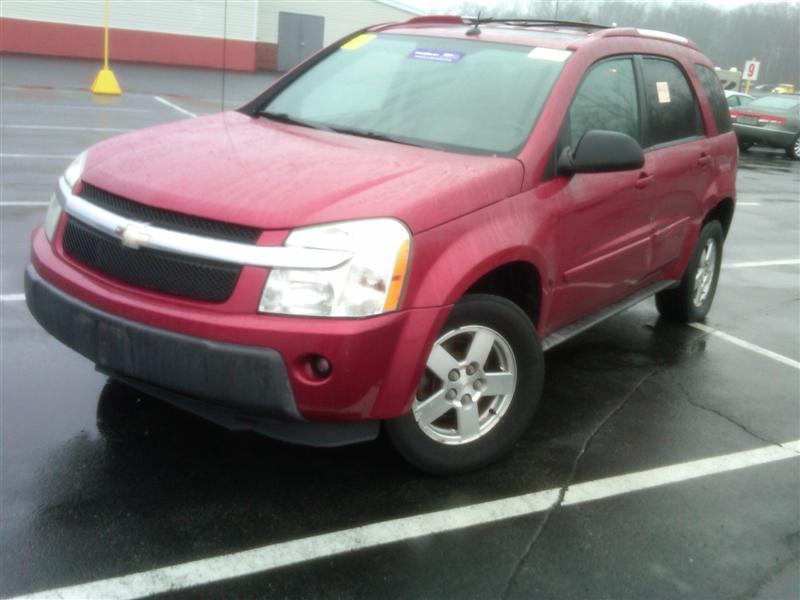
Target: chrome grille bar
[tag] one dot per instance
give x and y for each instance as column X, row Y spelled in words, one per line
column 136, row 234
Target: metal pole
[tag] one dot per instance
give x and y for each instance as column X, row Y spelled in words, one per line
column 105, row 34
column 104, row 82
column 747, row 83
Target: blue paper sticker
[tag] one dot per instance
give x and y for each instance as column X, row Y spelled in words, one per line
column 446, row 56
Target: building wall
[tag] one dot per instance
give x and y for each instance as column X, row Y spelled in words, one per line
column 243, row 36
column 196, row 33
column 204, row 18
column 341, row 16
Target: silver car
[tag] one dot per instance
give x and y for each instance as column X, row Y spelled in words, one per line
column 772, row 120
column 736, row 99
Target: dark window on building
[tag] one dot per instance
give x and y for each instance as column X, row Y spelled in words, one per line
column 712, row 87
column 606, row 99
column 671, row 107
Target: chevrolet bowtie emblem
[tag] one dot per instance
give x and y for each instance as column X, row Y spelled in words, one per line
column 132, row 236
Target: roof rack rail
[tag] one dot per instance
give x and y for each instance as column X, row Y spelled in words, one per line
column 650, row 33
column 454, row 19
column 534, row 22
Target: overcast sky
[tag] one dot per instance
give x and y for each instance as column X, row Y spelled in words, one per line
column 439, row 6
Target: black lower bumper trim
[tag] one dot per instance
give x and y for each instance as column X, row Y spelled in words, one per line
column 250, row 381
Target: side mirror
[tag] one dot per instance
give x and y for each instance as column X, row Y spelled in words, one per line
column 600, row 150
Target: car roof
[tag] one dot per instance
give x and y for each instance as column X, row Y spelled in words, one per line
column 567, row 35
column 795, row 96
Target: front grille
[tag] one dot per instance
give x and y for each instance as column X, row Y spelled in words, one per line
column 168, row 219
column 151, row 269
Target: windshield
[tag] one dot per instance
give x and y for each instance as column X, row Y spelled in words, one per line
column 779, row 102
column 452, row 94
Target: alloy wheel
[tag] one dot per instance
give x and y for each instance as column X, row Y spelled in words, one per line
column 468, row 385
column 706, row 269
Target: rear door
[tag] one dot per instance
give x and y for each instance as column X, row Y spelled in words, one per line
column 678, row 155
column 604, row 234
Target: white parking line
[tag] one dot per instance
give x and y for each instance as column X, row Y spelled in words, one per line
column 748, row 204
column 12, row 297
column 174, row 106
column 747, row 345
column 64, row 128
column 273, row 556
column 762, row 263
column 48, row 156
column 92, row 107
column 36, row 203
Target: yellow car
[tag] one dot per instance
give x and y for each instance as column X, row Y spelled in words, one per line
column 783, row 88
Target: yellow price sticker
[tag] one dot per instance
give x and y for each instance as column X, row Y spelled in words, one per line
column 358, row 41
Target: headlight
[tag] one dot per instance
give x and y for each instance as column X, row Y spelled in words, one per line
column 51, row 219
column 75, row 170
column 367, row 284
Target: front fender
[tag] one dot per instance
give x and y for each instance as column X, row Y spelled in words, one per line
column 449, row 258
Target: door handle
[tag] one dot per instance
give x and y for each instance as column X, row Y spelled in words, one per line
column 704, row 160
column 643, row 181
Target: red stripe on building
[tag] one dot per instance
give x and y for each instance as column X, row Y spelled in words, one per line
column 83, row 41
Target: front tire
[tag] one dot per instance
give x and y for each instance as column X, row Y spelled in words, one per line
column 480, row 389
column 692, row 299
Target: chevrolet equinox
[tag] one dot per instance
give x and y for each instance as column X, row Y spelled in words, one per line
column 394, row 231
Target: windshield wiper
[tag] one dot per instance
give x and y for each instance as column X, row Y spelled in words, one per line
column 286, row 118
column 374, row 135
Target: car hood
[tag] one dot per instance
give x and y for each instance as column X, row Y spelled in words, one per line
column 270, row 175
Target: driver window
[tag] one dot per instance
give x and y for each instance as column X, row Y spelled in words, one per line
column 606, row 99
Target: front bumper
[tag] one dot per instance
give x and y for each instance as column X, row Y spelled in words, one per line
column 766, row 135
column 238, row 387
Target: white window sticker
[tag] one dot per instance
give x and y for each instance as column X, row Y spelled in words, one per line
column 662, row 87
column 549, row 54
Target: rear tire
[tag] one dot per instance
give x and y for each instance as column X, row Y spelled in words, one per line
column 456, row 424
column 745, row 146
column 793, row 151
column 692, row 299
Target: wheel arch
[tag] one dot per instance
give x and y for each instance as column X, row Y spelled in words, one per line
column 516, row 280
column 722, row 212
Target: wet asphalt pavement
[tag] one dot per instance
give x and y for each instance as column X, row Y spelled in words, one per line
column 99, row 482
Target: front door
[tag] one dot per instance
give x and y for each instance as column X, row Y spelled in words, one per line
column 605, row 230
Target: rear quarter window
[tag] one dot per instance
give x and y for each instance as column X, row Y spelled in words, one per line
column 712, row 88
column 672, row 110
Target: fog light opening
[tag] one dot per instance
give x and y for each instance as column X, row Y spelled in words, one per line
column 320, row 366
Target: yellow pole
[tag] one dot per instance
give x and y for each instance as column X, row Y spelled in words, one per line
column 105, row 34
column 105, row 82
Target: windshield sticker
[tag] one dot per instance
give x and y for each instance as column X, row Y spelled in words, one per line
column 549, row 54
column 662, row 87
column 358, row 41
column 445, row 56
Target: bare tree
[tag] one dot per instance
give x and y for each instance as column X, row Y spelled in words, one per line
column 767, row 31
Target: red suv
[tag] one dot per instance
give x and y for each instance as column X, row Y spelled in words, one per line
column 396, row 230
